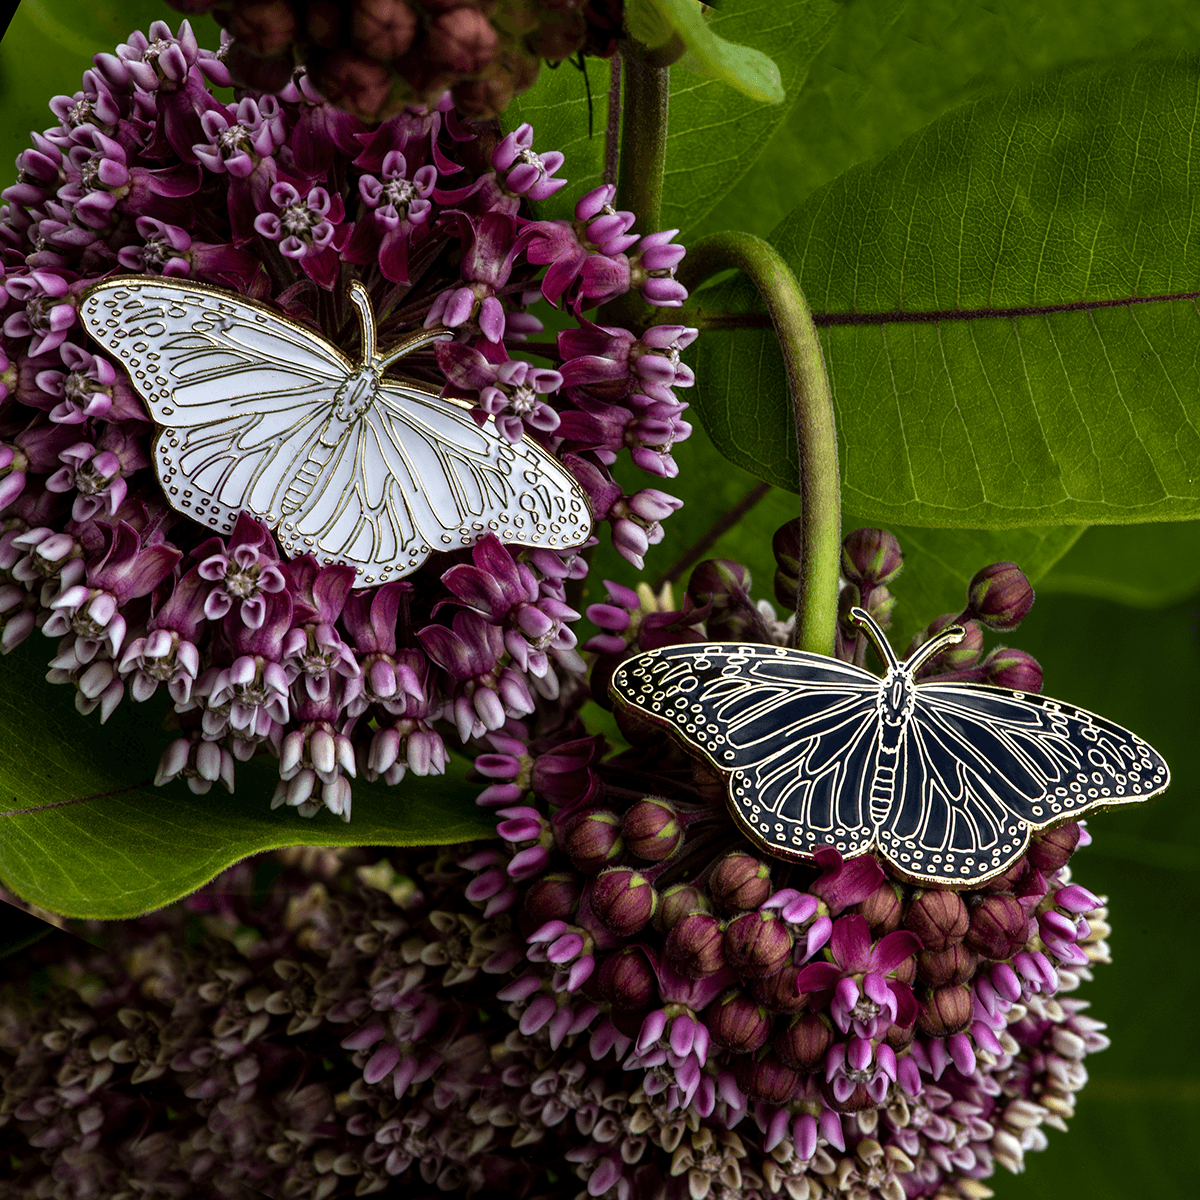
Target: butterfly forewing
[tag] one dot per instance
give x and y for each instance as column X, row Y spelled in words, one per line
column 795, row 732
column 248, row 405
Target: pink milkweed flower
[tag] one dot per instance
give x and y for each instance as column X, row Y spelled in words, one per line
column 507, row 389
column 400, row 211
column 246, row 571
column 857, row 982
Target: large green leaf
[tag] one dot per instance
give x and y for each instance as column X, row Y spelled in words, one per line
column 716, row 134
column 892, row 66
column 1147, row 566
column 84, row 833
column 938, row 562
column 48, row 46
column 1005, row 310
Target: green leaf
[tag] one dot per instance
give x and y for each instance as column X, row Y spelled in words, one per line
column 48, row 46
column 1147, row 566
column 1005, row 312
column 715, row 134
column 938, row 563
column 892, row 66
column 749, row 71
column 83, row 832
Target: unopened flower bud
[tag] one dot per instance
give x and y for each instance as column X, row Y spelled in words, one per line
column 1050, row 850
column 1008, row 879
column 552, row 898
column 881, row 606
column 779, row 992
column 652, row 829
column 463, row 39
column 695, row 946
column 383, row 28
column 1000, row 596
column 357, row 83
column 264, row 27
column 627, row 980
column 737, row 1022
column 623, row 900
column 786, row 544
column 757, row 944
column 594, row 841
column 998, row 927
column 1014, row 669
column 765, row 1077
column 677, row 901
column 726, row 586
column 955, row 964
column 939, row 919
column 739, row 882
column 883, row 909
column 871, row 557
column 804, row 1043
column 945, row 1010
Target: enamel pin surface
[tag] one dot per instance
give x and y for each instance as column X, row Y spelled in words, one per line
column 945, row 780
column 260, row 414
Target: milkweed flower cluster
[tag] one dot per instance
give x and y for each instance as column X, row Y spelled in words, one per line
column 852, row 1033
column 620, row 985
column 371, row 57
column 285, row 200
column 321, row 1024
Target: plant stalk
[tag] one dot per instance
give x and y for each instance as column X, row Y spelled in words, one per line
column 812, row 404
column 643, row 136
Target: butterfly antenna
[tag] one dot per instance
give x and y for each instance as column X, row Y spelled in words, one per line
column 413, row 342
column 361, row 300
column 877, row 637
column 936, row 644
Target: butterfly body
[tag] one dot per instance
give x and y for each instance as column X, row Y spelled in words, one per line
column 945, row 780
column 260, row 414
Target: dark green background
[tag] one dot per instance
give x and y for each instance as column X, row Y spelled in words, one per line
column 890, row 67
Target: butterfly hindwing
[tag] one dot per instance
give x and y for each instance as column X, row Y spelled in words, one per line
column 477, row 481
column 796, row 733
column 982, row 768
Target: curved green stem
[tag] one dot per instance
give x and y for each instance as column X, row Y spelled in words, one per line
column 643, row 136
column 812, row 403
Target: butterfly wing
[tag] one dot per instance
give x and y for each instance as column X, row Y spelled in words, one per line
column 981, row 768
column 241, row 392
column 796, row 734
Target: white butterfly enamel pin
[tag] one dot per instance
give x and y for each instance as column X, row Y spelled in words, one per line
column 944, row 780
column 258, row 413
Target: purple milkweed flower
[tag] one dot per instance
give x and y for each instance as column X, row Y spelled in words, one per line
column 506, row 389
column 247, row 571
column 400, row 213
column 308, row 228
column 857, row 975
column 491, row 247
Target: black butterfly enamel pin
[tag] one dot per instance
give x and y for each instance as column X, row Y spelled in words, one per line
column 944, row 780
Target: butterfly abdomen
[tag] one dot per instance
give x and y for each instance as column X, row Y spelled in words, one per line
column 883, row 783
column 302, row 483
